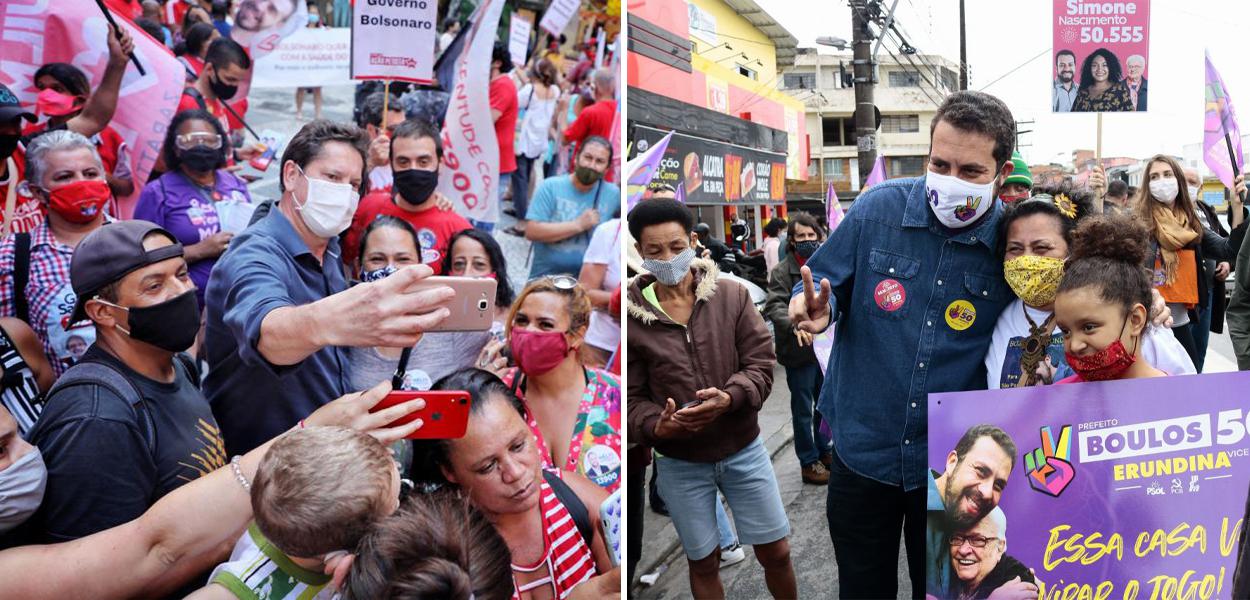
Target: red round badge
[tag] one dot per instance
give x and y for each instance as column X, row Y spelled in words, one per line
column 890, row 295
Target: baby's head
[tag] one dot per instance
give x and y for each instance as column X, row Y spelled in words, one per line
column 318, row 490
column 1104, row 296
column 436, row 546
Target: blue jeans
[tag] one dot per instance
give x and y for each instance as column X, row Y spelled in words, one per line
column 692, row 491
column 521, row 185
column 804, row 383
column 1202, row 329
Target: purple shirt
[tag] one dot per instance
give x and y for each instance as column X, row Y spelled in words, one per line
column 186, row 210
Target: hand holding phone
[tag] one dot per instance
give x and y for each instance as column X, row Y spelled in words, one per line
column 473, row 306
column 445, row 416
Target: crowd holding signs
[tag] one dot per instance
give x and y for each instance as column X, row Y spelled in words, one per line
column 337, row 392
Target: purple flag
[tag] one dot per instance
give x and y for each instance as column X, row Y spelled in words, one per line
column 876, row 175
column 833, row 208
column 642, row 168
column 1221, row 128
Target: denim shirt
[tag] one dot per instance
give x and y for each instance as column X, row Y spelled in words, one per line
column 267, row 267
column 915, row 305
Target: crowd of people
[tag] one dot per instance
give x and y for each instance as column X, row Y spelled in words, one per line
column 205, row 374
column 929, row 292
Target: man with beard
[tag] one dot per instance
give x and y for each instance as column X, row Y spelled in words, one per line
column 1065, row 84
column 970, row 487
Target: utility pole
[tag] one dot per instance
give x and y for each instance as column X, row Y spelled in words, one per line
column 865, row 117
column 963, row 50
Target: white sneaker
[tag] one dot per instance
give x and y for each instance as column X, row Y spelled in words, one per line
column 732, row 555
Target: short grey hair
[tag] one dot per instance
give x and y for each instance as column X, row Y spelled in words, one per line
column 1137, row 58
column 605, row 79
column 59, row 140
column 999, row 519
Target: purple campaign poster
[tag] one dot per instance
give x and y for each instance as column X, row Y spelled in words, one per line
column 1123, row 489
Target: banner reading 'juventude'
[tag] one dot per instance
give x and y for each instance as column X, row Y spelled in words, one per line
column 1100, row 56
column 1123, row 489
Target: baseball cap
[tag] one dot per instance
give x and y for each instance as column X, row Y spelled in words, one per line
column 110, row 253
column 10, row 107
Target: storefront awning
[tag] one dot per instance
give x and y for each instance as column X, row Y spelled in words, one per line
column 710, row 172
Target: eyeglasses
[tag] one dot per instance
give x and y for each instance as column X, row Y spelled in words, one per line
column 188, row 141
column 564, row 283
column 976, row 541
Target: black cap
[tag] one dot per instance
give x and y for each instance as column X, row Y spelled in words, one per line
column 10, row 108
column 110, row 253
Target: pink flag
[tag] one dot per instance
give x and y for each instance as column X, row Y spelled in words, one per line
column 876, row 175
column 1221, row 131
column 34, row 33
column 833, row 208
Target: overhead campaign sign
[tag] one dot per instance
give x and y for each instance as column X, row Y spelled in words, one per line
column 1101, row 56
column 710, row 172
column 558, row 15
column 1118, row 489
column 394, row 39
column 311, row 57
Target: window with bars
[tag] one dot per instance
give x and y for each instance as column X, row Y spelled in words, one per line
column 904, row 79
column 900, row 123
column 799, row 81
column 834, row 168
column 905, row 166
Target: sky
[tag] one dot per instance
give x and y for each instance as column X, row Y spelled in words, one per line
column 1002, row 36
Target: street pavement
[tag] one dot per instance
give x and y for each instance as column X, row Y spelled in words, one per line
column 810, row 548
column 274, row 109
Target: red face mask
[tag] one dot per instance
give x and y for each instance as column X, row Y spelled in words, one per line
column 55, row 104
column 1014, row 199
column 1106, row 364
column 81, row 201
column 537, row 352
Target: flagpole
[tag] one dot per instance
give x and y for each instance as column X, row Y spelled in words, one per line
column 386, row 97
column 1232, row 159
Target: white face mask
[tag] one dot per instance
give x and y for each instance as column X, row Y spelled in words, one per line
column 1193, row 192
column 958, row 203
column 1164, row 190
column 21, row 489
column 328, row 207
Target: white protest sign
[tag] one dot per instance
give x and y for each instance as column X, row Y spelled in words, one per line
column 470, row 172
column 558, row 15
column 519, row 39
column 308, row 58
column 394, row 39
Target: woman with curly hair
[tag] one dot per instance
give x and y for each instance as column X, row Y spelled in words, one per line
column 1101, row 89
column 1036, row 236
column 1102, row 302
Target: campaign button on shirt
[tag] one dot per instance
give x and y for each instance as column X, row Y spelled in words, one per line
column 960, row 315
column 890, row 295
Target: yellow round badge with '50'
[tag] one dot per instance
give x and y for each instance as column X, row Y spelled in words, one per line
column 960, row 315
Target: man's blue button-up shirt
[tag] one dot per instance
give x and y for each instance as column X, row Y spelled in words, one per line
column 268, row 266
column 915, row 305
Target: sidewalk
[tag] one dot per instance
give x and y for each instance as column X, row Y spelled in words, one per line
column 810, row 548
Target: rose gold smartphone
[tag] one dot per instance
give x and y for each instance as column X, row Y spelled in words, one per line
column 472, row 308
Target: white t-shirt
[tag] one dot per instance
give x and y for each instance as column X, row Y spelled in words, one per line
column 605, row 249
column 772, row 253
column 532, row 141
column 1160, row 348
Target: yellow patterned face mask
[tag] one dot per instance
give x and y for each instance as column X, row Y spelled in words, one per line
column 1035, row 279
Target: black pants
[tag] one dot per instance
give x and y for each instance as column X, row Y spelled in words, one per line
column 1185, row 335
column 636, row 492
column 865, row 517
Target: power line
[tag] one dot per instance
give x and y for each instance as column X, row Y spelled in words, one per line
column 1017, row 68
column 900, row 63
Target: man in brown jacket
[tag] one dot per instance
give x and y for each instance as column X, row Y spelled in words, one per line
column 700, row 366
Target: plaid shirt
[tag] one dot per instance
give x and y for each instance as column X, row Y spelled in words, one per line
column 45, row 293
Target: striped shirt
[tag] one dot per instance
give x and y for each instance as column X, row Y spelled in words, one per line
column 566, row 556
column 258, row 570
column 19, row 391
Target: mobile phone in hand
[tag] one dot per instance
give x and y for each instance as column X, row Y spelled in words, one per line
column 445, row 416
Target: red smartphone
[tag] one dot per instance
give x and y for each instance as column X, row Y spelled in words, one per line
column 446, row 413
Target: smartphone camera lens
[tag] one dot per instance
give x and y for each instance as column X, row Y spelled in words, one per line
column 483, row 304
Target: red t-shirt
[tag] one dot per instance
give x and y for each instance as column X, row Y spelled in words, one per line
column 595, row 119
column 503, row 99
column 174, row 11
column 214, row 107
column 28, row 212
column 434, row 228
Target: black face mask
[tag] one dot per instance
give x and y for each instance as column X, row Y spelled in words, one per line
column 200, row 159
column 805, row 250
column 416, row 185
column 170, row 325
column 8, row 145
column 221, row 90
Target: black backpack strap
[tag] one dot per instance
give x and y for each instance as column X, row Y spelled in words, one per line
column 21, row 275
column 194, row 93
column 95, row 372
column 188, row 365
column 573, row 504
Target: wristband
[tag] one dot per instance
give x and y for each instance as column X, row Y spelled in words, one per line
column 238, row 474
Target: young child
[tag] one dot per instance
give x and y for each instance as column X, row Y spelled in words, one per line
column 316, row 493
column 1103, row 301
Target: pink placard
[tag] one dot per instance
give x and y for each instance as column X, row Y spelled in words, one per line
column 1101, row 56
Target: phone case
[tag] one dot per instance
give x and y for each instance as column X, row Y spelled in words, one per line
column 446, row 413
column 473, row 307
column 610, row 522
